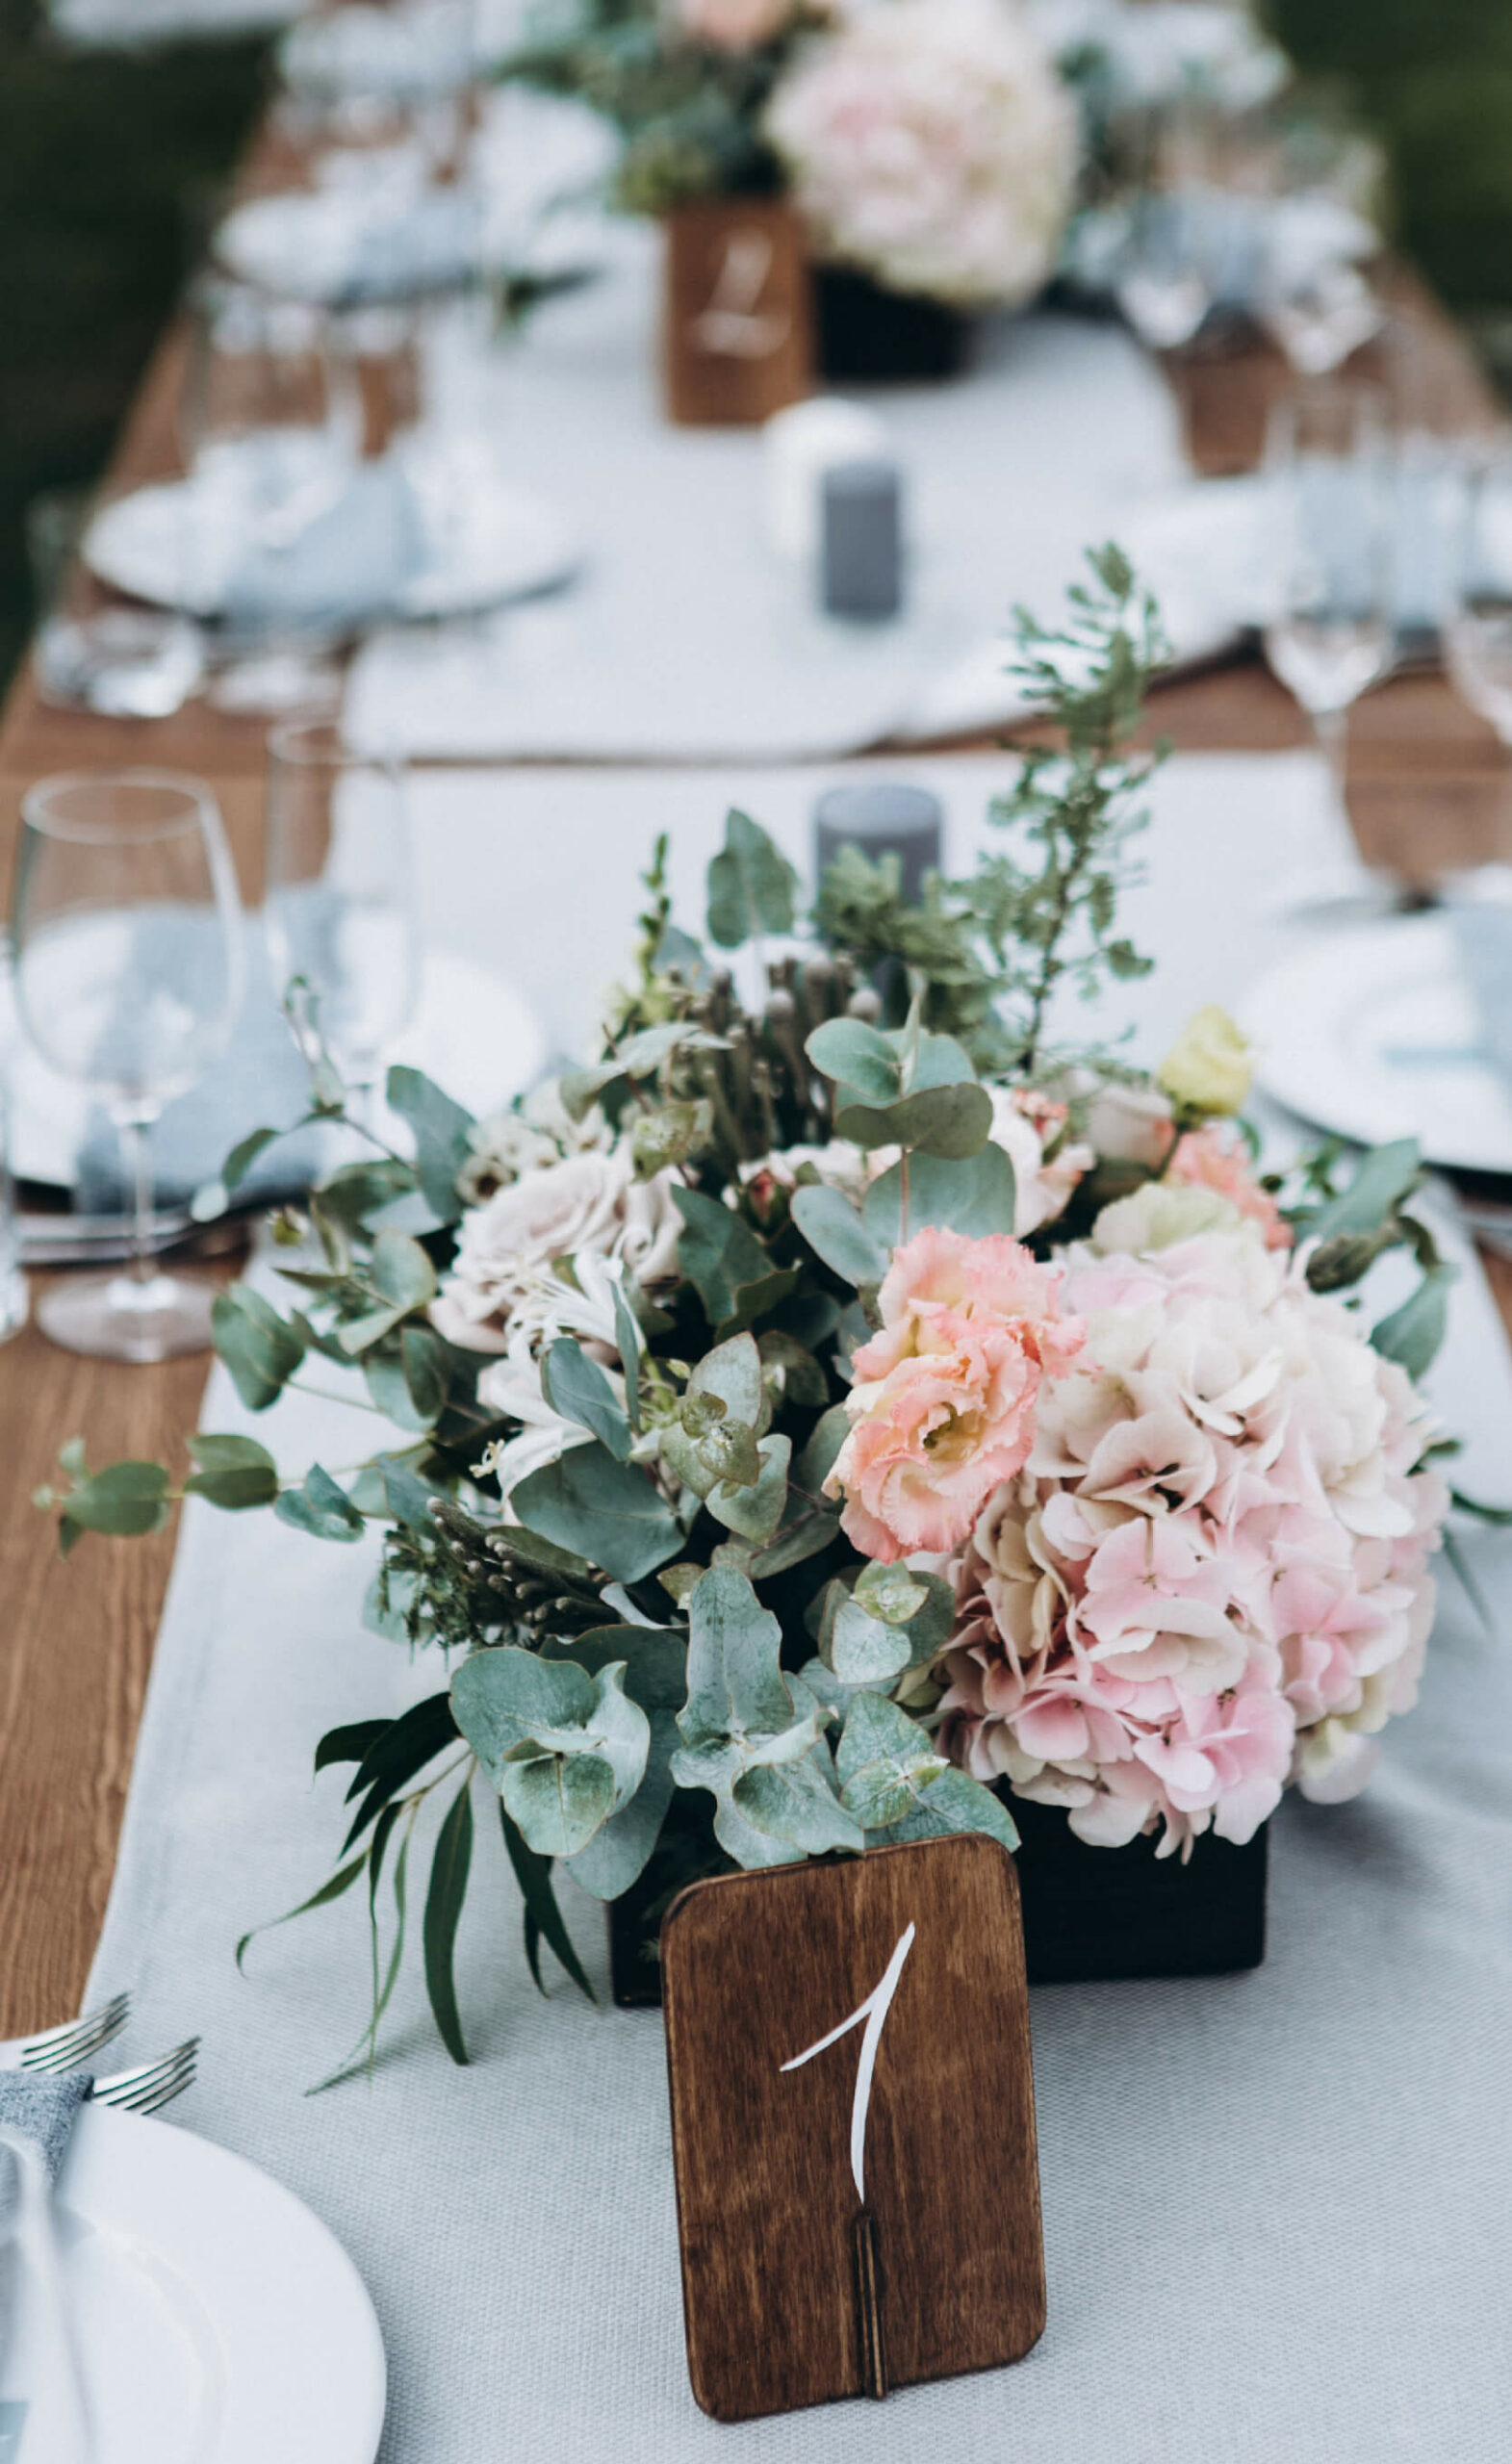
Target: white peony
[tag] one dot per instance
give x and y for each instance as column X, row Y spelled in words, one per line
column 930, row 143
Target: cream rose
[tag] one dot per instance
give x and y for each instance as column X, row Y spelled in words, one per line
column 590, row 1202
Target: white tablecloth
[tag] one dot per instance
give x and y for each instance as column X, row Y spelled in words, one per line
column 1275, row 2204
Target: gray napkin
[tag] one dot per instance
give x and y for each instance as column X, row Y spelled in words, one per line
column 259, row 1083
column 346, row 569
column 43, row 2109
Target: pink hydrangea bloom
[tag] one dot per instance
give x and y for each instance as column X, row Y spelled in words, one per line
column 1209, row 1576
column 943, row 1406
column 1214, row 1158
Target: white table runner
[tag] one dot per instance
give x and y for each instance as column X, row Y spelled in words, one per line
column 686, row 638
column 1275, row 2204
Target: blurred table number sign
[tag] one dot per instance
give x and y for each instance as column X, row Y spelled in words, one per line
column 843, row 2230
column 739, row 340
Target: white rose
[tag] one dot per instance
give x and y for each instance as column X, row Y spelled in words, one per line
column 590, row 1202
column 1130, row 1124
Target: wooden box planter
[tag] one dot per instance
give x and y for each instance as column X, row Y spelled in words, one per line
column 738, row 338
column 1090, row 1914
column 865, row 334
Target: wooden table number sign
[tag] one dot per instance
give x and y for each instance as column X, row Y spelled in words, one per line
column 737, row 341
column 853, row 2125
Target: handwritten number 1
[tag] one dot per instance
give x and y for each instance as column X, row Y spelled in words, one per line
column 874, row 2012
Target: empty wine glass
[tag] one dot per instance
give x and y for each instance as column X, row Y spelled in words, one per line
column 339, row 912
column 1330, row 528
column 1165, row 284
column 1478, row 637
column 1318, row 314
column 271, row 426
column 129, row 975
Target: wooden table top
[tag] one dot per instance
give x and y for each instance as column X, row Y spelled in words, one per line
column 1429, row 788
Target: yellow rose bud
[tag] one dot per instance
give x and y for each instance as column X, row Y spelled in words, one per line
column 1209, row 1067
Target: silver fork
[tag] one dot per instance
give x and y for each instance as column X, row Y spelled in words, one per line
column 69, row 2047
column 152, row 2084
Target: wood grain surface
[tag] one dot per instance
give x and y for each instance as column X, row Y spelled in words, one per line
column 795, row 2293
column 1430, row 789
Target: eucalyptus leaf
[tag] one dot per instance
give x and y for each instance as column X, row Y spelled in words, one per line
column 577, row 1389
column 791, row 1367
column 860, row 1649
column 791, row 1802
column 441, row 1145
column 751, row 885
column 234, row 1472
column 608, row 1512
column 890, row 1592
column 976, row 1195
column 953, row 1122
column 628, row 1342
column 733, row 1370
column 836, row 1233
column 321, row 1507
column 259, row 1349
column 1412, row 1335
column 819, row 1457
column 857, row 1057
column 717, row 1251
column 755, row 1510
column 1386, row 1175
column 618, row 1853
column 734, row 1667
column 124, row 1500
column 719, row 1453
column 564, row 1750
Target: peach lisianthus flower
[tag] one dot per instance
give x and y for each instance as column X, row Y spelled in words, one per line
column 943, row 1407
column 1213, row 1159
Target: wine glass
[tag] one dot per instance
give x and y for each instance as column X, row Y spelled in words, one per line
column 1478, row 637
column 1331, row 527
column 130, row 976
column 340, row 914
column 272, row 425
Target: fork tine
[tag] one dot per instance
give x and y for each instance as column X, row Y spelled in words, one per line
column 150, row 2096
column 64, row 2049
column 145, row 2074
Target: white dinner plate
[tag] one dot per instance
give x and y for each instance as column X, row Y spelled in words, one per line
column 1373, row 1034
column 472, row 1032
column 485, row 542
column 215, row 2320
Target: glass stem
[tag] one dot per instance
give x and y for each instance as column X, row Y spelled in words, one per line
column 1333, row 737
column 137, row 1156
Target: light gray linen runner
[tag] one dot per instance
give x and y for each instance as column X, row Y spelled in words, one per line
column 1275, row 2205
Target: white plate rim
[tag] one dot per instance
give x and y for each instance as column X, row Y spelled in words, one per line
column 146, row 2177
column 1294, row 1014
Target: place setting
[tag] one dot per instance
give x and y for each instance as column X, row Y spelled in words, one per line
column 755, row 1198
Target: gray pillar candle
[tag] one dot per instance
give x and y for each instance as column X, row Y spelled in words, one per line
column 862, row 541
column 882, row 819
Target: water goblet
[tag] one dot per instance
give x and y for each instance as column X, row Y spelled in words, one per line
column 129, row 979
column 1330, row 627
column 339, row 912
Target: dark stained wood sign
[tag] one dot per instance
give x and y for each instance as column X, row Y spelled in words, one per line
column 737, row 341
column 853, row 2125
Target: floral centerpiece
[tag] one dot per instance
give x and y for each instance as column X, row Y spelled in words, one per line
column 929, row 146
column 845, row 1409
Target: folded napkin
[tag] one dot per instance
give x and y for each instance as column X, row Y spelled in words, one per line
column 344, row 569
column 43, row 2110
